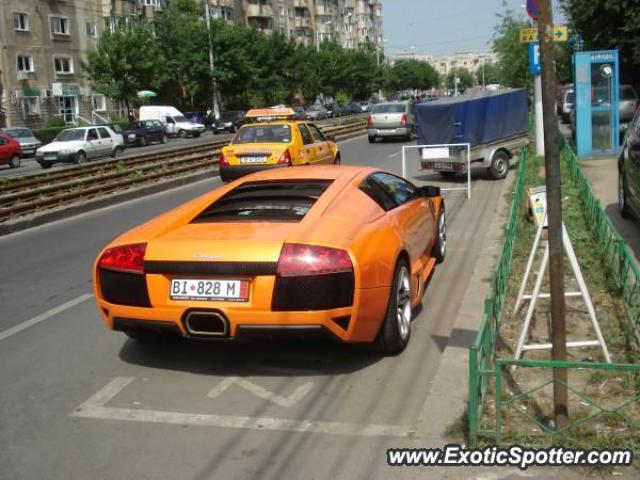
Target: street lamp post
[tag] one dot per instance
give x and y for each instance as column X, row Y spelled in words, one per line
column 214, row 86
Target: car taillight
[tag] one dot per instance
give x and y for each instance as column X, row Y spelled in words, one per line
column 403, row 120
column 369, row 121
column 299, row 259
column 126, row 258
column 285, row 158
column 222, row 160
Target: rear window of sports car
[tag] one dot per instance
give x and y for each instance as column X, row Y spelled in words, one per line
column 268, row 201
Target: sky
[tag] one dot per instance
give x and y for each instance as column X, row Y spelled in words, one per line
column 442, row 27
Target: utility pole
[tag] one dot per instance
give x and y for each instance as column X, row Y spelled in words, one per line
column 214, row 86
column 554, row 211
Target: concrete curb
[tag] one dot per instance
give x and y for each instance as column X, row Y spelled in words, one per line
column 449, row 388
column 29, row 221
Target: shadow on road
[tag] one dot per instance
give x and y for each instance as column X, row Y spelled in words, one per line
column 279, row 357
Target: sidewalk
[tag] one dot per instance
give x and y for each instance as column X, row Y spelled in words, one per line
column 603, row 175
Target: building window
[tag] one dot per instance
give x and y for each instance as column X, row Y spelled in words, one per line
column 25, row 63
column 63, row 65
column 21, row 22
column 30, row 106
column 99, row 102
column 91, row 29
column 150, row 3
column 60, row 25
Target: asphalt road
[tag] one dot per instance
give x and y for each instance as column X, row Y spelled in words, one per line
column 79, row 401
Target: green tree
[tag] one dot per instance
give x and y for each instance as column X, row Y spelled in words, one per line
column 609, row 24
column 465, row 79
column 489, row 73
column 182, row 35
column 412, row 74
column 124, row 62
column 513, row 70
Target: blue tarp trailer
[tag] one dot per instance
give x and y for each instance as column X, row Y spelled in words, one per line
column 495, row 124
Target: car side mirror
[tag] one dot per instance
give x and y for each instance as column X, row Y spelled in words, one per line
column 331, row 138
column 429, row 191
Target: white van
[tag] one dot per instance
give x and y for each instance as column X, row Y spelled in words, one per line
column 173, row 119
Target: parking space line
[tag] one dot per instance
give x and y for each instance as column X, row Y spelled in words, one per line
column 95, row 408
column 43, row 316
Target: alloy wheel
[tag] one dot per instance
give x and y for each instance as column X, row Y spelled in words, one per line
column 403, row 302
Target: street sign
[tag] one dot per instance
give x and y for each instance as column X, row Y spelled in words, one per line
column 534, row 59
column 530, row 35
column 532, row 9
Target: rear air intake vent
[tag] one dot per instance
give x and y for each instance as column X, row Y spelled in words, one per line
column 210, row 268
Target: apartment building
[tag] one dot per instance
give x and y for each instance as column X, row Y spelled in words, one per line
column 472, row 61
column 42, row 44
column 350, row 22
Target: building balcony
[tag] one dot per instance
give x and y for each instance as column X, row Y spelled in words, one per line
column 302, row 22
column 301, row 4
column 257, row 11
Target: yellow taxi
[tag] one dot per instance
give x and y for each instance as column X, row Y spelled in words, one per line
column 273, row 139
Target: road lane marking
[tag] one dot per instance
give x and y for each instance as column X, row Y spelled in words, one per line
column 95, row 408
column 298, row 394
column 43, row 316
column 395, row 154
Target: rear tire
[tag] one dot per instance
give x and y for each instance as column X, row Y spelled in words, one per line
column 499, row 165
column 14, row 162
column 395, row 331
column 623, row 205
column 117, row 153
column 440, row 247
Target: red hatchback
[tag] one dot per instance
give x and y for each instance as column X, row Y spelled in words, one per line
column 10, row 152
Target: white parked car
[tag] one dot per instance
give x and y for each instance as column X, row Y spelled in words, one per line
column 173, row 119
column 77, row 145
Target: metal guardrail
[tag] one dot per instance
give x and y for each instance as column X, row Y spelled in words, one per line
column 41, row 192
column 488, row 373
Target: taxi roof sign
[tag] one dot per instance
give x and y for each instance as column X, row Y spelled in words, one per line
column 277, row 113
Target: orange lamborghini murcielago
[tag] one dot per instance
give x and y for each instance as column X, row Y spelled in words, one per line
column 342, row 250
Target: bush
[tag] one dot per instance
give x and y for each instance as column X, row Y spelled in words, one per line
column 47, row 134
column 54, row 121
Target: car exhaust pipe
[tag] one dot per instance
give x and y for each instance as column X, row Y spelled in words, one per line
column 206, row 324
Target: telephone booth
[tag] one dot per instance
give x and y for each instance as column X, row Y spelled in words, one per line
column 597, row 90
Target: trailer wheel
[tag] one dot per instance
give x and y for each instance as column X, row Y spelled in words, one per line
column 499, row 165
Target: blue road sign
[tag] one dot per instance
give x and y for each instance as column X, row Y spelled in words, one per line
column 534, row 59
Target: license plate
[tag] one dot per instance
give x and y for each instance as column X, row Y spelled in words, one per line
column 443, row 166
column 209, row 290
column 246, row 160
column 49, row 157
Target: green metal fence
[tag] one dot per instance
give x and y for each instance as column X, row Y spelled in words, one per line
column 518, row 411
column 621, row 265
column 482, row 352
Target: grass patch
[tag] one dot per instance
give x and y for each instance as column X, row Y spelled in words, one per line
column 458, row 430
column 527, row 408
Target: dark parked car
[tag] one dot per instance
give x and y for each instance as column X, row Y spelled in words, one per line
column 10, row 152
column 629, row 171
column 229, row 121
column 143, row 132
column 355, row 108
